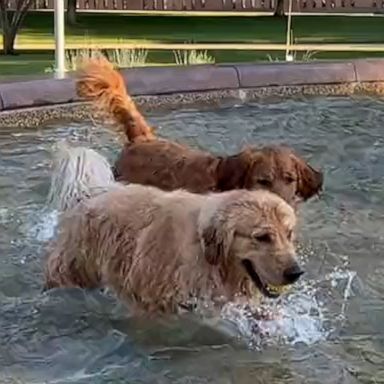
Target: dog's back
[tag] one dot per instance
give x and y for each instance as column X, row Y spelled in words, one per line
column 113, row 238
column 167, row 165
column 90, row 230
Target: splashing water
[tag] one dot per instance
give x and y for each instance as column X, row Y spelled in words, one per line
column 242, row 96
column 44, row 229
column 298, row 317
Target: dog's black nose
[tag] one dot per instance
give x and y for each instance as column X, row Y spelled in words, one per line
column 292, row 274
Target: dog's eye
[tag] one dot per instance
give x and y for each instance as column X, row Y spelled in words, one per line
column 264, row 182
column 289, row 180
column 266, row 238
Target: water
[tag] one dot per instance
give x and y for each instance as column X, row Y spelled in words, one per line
column 328, row 329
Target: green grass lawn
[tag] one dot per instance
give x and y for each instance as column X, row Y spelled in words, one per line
column 111, row 28
column 38, row 28
column 35, row 63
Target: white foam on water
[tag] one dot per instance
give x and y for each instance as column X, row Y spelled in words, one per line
column 35, row 224
column 299, row 317
column 242, row 95
column 44, row 229
column 4, row 216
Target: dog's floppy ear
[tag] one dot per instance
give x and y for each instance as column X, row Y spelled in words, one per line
column 309, row 180
column 233, row 171
column 216, row 242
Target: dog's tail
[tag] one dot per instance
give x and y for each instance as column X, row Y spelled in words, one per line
column 99, row 82
column 78, row 173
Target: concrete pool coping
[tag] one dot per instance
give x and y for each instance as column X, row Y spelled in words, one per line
column 30, row 103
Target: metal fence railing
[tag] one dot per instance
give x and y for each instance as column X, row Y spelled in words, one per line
column 302, row 6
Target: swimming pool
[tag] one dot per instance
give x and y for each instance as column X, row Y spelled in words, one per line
column 331, row 329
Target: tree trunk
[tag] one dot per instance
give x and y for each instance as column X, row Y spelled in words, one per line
column 11, row 22
column 9, row 37
column 279, row 10
column 71, row 12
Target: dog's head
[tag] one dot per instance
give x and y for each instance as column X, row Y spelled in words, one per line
column 251, row 236
column 277, row 169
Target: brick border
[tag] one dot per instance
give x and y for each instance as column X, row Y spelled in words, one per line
column 157, row 81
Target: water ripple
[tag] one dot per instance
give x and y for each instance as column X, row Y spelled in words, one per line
column 327, row 330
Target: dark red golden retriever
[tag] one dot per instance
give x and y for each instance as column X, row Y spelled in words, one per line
column 149, row 160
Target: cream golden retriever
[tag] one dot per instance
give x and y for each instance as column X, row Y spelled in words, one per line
column 160, row 251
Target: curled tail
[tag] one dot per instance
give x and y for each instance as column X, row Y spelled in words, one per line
column 101, row 83
column 78, row 173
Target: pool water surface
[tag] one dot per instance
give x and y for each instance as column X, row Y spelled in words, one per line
column 331, row 328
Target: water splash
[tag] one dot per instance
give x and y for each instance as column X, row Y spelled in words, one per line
column 242, row 96
column 335, row 277
column 302, row 316
column 44, row 229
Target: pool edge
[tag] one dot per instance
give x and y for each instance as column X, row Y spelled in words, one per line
column 31, row 103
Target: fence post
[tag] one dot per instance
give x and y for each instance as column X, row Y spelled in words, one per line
column 59, row 16
column 288, row 53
